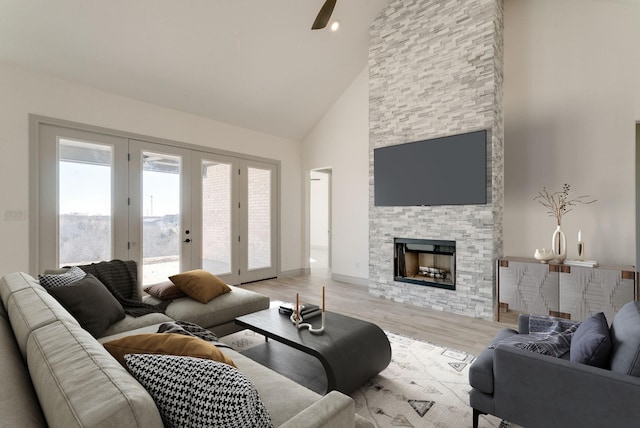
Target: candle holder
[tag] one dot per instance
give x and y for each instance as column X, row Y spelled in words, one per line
column 580, row 250
column 296, row 320
column 296, row 317
column 580, row 246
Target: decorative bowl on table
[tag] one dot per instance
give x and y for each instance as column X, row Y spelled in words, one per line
column 543, row 255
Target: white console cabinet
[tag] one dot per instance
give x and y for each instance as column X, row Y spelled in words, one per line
column 572, row 292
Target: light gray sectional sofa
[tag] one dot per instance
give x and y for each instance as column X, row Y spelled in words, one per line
column 54, row 373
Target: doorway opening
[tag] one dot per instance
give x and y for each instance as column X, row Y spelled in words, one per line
column 637, row 193
column 320, row 221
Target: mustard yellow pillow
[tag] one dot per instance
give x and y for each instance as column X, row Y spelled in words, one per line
column 200, row 285
column 166, row 344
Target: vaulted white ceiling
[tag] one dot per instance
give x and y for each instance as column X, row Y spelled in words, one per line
column 251, row 63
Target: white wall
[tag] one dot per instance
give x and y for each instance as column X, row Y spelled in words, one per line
column 341, row 141
column 24, row 92
column 571, row 91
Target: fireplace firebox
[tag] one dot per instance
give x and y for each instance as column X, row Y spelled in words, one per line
column 425, row 262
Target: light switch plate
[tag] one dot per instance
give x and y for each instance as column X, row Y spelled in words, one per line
column 14, row 215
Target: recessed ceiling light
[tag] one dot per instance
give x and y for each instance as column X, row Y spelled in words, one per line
column 335, row 26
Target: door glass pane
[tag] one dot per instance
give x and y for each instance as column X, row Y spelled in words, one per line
column 259, row 214
column 216, row 217
column 160, row 216
column 84, row 201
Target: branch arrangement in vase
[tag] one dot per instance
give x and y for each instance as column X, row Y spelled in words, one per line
column 560, row 203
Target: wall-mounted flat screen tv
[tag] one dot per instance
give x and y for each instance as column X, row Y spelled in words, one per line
column 448, row 170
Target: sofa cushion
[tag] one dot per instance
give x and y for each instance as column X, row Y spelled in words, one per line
column 625, row 335
column 129, row 323
column 69, row 276
column 481, row 371
column 32, row 308
column 165, row 343
column 166, row 290
column 200, row 285
column 270, row 385
column 18, row 401
column 16, row 281
column 79, row 384
column 591, row 343
column 89, row 301
column 197, row 392
column 221, row 310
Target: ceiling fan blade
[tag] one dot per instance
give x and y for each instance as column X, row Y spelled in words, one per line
column 324, row 15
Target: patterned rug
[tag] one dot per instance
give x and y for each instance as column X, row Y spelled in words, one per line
column 425, row 385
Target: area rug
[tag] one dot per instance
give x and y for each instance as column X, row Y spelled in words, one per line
column 425, row 385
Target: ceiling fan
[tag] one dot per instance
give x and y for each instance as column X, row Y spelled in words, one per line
column 324, row 15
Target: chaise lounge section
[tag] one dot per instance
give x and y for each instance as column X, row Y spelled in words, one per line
column 217, row 315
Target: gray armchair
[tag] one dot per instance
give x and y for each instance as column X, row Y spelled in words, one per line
column 534, row 390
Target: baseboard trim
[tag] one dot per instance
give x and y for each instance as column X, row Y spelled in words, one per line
column 295, row 272
column 334, row 276
column 350, row 279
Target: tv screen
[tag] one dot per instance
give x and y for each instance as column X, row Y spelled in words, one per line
column 449, row 170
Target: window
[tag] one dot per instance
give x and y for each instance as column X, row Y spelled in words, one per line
column 169, row 207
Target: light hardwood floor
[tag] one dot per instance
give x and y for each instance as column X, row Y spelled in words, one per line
column 442, row 328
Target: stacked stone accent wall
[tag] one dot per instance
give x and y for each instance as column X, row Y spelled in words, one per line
column 436, row 70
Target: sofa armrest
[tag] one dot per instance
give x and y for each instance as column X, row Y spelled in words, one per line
column 334, row 410
column 539, row 390
column 523, row 324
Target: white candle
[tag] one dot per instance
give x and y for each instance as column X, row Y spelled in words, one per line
column 579, row 235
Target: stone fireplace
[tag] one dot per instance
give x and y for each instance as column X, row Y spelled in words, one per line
column 435, row 69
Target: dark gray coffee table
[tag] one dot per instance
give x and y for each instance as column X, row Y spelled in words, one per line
column 343, row 358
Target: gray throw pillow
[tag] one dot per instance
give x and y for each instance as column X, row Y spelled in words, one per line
column 196, row 392
column 591, row 343
column 90, row 303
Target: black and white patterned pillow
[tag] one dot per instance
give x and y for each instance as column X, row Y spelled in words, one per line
column 194, row 392
column 60, row 280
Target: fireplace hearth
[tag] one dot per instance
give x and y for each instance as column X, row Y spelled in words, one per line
column 425, row 262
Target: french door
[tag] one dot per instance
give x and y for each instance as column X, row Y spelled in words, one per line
column 160, row 232
column 235, row 212
column 170, row 208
